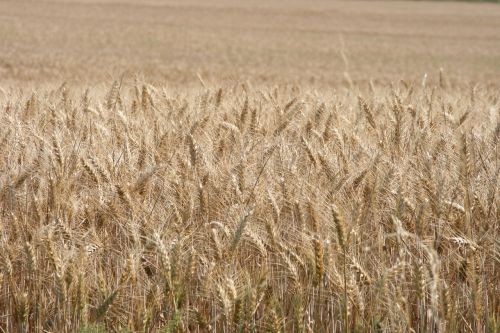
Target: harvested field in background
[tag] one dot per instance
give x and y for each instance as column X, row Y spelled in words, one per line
column 265, row 42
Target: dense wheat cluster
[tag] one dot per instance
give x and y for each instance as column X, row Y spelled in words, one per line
column 249, row 166
column 250, row 209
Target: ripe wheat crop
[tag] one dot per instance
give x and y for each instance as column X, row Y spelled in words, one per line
column 241, row 209
column 249, row 166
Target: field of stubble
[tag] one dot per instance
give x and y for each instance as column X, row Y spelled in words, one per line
column 285, row 166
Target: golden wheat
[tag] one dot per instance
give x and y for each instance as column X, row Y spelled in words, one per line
column 240, row 208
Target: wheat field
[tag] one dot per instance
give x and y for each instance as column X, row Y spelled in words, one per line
column 278, row 166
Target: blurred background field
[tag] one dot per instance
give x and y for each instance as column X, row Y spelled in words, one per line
column 298, row 41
